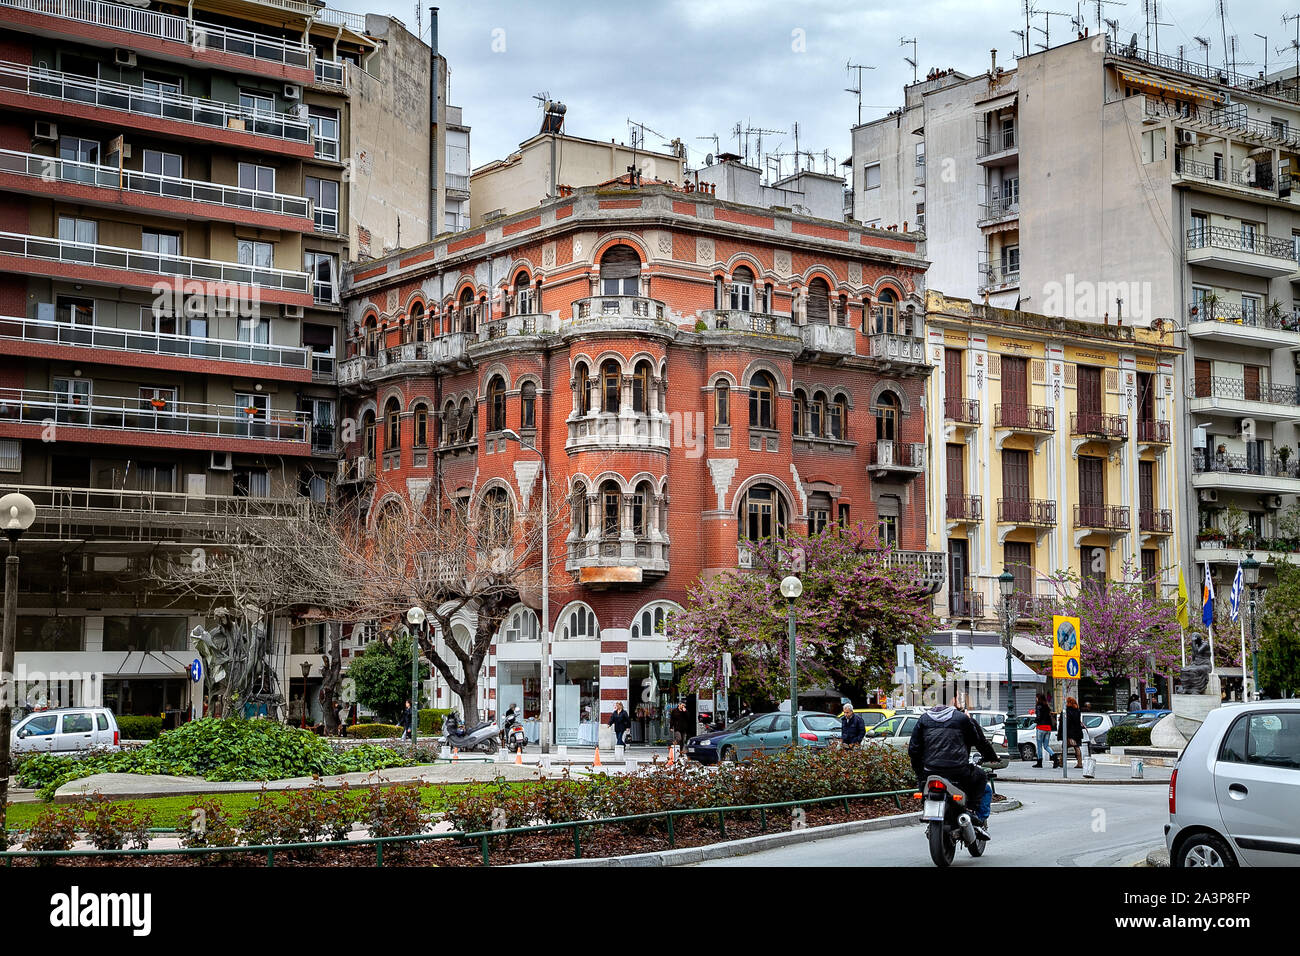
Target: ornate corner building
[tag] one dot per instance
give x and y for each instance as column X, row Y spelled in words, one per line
column 696, row 375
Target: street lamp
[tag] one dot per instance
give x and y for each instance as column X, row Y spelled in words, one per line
column 16, row 515
column 415, row 618
column 791, row 588
column 1250, row 575
column 306, row 671
column 511, row 435
column 1007, row 584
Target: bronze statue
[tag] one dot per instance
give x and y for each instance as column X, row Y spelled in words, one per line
column 1195, row 677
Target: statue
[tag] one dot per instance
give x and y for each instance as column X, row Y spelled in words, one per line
column 236, row 654
column 1195, row 677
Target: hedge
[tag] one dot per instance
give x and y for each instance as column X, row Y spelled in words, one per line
column 139, row 728
column 1126, row 735
column 431, row 720
column 373, row 731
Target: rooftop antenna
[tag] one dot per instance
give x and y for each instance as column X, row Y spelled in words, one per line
column 1294, row 44
column 1205, row 45
column 1047, row 30
column 904, row 41
column 735, row 131
column 1223, row 19
column 633, row 128
column 1024, row 40
column 1265, row 39
column 717, row 148
column 1099, row 4
column 1113, row 27
column 755, row 130
column 850, row 65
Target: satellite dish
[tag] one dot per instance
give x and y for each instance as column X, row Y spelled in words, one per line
column 708, row 160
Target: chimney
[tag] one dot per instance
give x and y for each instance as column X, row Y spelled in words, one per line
column 993, row 65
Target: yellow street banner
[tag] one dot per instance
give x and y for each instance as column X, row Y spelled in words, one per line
column 1065, row 637
column 1065, row 668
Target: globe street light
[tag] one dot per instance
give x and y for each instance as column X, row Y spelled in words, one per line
column 791, row 588
column 415, row 618
column 1250, row 576
column 1007, row 584
column 16, row 515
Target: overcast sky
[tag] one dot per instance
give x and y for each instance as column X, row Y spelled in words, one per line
column 693, row 68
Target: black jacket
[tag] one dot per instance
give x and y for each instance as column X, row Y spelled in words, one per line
column 942, row 740
column 620, row 720
column 680, row 720
column 1073, row 724
column 852, row 729
column 1043, row 715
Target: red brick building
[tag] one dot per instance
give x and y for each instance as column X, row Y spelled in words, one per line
column 695, row 373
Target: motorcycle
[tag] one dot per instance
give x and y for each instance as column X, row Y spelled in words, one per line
column 947, row 814
column 482, row 737
column 513, row 737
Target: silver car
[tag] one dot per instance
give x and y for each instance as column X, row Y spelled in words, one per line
column 66, row 729
column 1234, row 798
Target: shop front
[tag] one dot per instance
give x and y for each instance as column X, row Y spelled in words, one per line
column 649, row 689
column 519, row 684
column 577, row 703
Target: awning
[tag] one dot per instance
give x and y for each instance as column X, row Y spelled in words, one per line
column 1161, row 85
column 988, row 663
column 1030, row 649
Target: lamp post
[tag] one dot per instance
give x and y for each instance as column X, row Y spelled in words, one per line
column 1250, row 576
column 16, row 515
column 1007, row 585
column 511, row 435
column 306, row 670
column 415, row 618
column 791, row 588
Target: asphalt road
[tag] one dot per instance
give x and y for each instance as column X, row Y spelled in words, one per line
column 1059, row 825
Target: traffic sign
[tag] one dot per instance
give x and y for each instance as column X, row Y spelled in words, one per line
column 1066, row 668
column 196, row 670
column 1066, row 636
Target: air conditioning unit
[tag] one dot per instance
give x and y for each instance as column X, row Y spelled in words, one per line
column 292, row 92
column 1208, row 496
column 1187, row 138
column 220, row 461
column 46, row 130
column 1273, row 502
column 1247, row 429
column 124, row 57
column 1198, row 437
column 293, row 312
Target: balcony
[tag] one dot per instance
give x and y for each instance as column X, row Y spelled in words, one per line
column 354, row 471
column 1155, row 521
column 177, row 38
column 1099, row 425
column 1238, row 397
column 751, row 323
column 827, row 341
column 998, row 210
column 331, row 73
column 613, row 560
column 1259, row 181
column 457, row 186
column 998, row 278
column 903, row 458
column 44, row 332
column 1111, row 518
column 966, row 605
column 64, row 179
column 927, row 566
column 1024, row 418
column 965, row 509
column 619, row 311
column 195, row 117
column 519, row 324
column 1245, row 252
column 1231, row 322
column 115, row 413
column 1153, row 431
column 1030, row 512
column 961, row 410
column 140, row 269
column 407, row 359
column 608, row 431
column 1232, row 117
column 898, row 350
column 1255, row 473
column 997, row 148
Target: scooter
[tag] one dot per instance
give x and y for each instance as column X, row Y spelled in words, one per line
column 513, row 737
column 948, row 813
column 483, row 737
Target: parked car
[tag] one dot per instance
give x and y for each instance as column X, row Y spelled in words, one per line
column 66, row 729
column 762, row 733
column 1096, row 726
column 1235, row 788
column 895, row 731
column 989, row 720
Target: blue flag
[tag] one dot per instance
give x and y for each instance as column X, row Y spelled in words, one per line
column 1237, row 583
column 1207, row 598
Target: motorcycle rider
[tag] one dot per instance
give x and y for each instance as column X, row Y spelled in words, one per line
column 941, row 744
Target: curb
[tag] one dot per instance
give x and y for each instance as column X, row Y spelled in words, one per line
column 1158, row 857
column 770, row 841
column 1113, row 783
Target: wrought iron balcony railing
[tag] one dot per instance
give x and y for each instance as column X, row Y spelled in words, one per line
column 1033, row 418
column 1027, row 511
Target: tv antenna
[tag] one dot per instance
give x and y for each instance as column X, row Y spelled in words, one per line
column 904, row 41
column 1046, row 30
column 717, row 148
column 850, row 65
column 1294, row 45
column 638, row 141
column 1113, row 27
column 1024, row 40
column 1223, row 28
column 1205, row 45
column 1265, row 39
column 1099, row 4
column 759, row 131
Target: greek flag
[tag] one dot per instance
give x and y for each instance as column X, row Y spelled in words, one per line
column 1236, row 594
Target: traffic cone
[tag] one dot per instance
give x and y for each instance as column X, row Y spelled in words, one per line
column 455, row 753
column 672, row 754
column 519, row 757
column 596, row 762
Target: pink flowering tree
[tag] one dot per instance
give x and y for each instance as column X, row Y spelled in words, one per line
column 855, row 609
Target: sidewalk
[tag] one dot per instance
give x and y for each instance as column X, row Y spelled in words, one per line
column 1022, row 771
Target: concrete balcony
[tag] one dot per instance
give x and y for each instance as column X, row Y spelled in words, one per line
column 1113, row 519
column 965, row 605
column 111, row 265
column 104, row 186
column 998, row 211
column 831, row 341
column 53, row 94
column 519, row 324
column 1246, row 253
column 64, row 513
column 1027, row 512
column 899, row 458
column 411, row 358
column 1251, row 473
column 999, row 148
column 1099, row 426
column 36, row 337
column 331, row 73
column 997, row 279
column 965, row 509
column 896, row 350
column 1239, row 398
column 164, row 35
column 105, row 414
column 1230, row 323
column 619, row 312
column 1036, row 419
column 615, row 560
column 609, row 431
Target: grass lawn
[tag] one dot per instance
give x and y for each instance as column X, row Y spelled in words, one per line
column 167, row 812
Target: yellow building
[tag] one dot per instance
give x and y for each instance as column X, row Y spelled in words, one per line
column 1053, row 447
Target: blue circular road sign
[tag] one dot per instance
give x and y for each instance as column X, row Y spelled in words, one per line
column 196, row 670
column 1072, row 667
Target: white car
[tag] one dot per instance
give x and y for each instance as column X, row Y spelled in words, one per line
column 895, row 731
column 1095, row 726
column 65, row 730
column 1235, row 790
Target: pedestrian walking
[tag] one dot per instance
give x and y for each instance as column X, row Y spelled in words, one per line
column 852, row 727
column 681, row 724
column 405, row 721
column 621, row 721
column 1073, row 732
column 1043, row 725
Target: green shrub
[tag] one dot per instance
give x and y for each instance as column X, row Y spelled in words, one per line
column 54, row 829
column 374, row 731
column 1126, row 735
column 139, row 728
column 431, row 719
column 113, row 826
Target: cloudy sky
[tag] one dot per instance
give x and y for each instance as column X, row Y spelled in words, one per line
column 694, row 68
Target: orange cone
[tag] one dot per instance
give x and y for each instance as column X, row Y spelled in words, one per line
column 596, row 762
column 519, row 757
column 455, row 753
column 672, row 754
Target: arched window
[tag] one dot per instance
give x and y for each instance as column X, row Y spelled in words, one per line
column 762, row 514
column 368, row 434
column 817, row 415
column 620, row 271
column 579, row 506
column 611, row 504
column 578, row 624
column 641, row 504
column 421, row 426
column 839, row 417
column 419, row 322
column 582, row 378
column 496, row 519
column 651, row 623
column 887, row 417
column 796, row 412
column 448, row 425
column 392, row 425
column 528, row 405
column 762, row 396
column 611, row 380
column 741, row 291
column 641, row 387
column 886, row 312
column 819, row 301
column 520, row 625
column 465, row 421
column 523, row 295
column 722, row 404
column 496, row 404
column 466, row 305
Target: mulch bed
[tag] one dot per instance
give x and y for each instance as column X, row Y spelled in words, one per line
column 524, row 848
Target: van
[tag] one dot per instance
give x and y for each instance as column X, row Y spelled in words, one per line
column 66, row 730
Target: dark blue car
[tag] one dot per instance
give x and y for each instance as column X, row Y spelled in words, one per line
column 762, row 733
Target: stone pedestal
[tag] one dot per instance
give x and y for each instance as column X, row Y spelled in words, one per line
column 605, row 738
